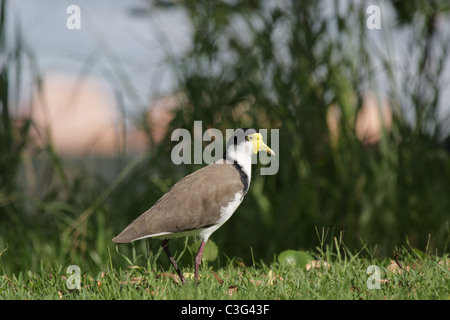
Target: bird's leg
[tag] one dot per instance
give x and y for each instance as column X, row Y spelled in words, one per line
column 198, row 260
column 165, row 246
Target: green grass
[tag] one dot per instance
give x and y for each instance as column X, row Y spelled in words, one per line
column 344, row 276
column 54, row 213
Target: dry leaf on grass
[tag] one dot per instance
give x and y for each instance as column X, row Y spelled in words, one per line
column 444, row 263
column 133, row 280
column 317, row 264
column 136, row 280
column 395, row 268
column 220, row 281
column 271, row 279
column 232, row 290
column 165, row 275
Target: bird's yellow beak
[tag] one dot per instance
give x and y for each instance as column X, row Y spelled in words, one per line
column 258, row 143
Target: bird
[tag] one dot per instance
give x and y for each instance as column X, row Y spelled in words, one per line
column 201, row 202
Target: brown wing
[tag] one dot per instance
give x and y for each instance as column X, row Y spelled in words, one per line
column 193, row 202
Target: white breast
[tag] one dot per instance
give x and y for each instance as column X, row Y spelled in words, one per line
column 225, row 214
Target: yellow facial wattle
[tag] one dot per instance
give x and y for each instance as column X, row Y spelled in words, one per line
column 258, row 143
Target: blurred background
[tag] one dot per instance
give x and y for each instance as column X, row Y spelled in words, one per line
column 360, row 98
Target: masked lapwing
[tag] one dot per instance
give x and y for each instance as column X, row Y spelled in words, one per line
column 201, row 202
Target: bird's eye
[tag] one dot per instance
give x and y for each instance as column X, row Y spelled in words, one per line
column 248, row 138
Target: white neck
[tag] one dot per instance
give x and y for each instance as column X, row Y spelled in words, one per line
column 242, row 154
